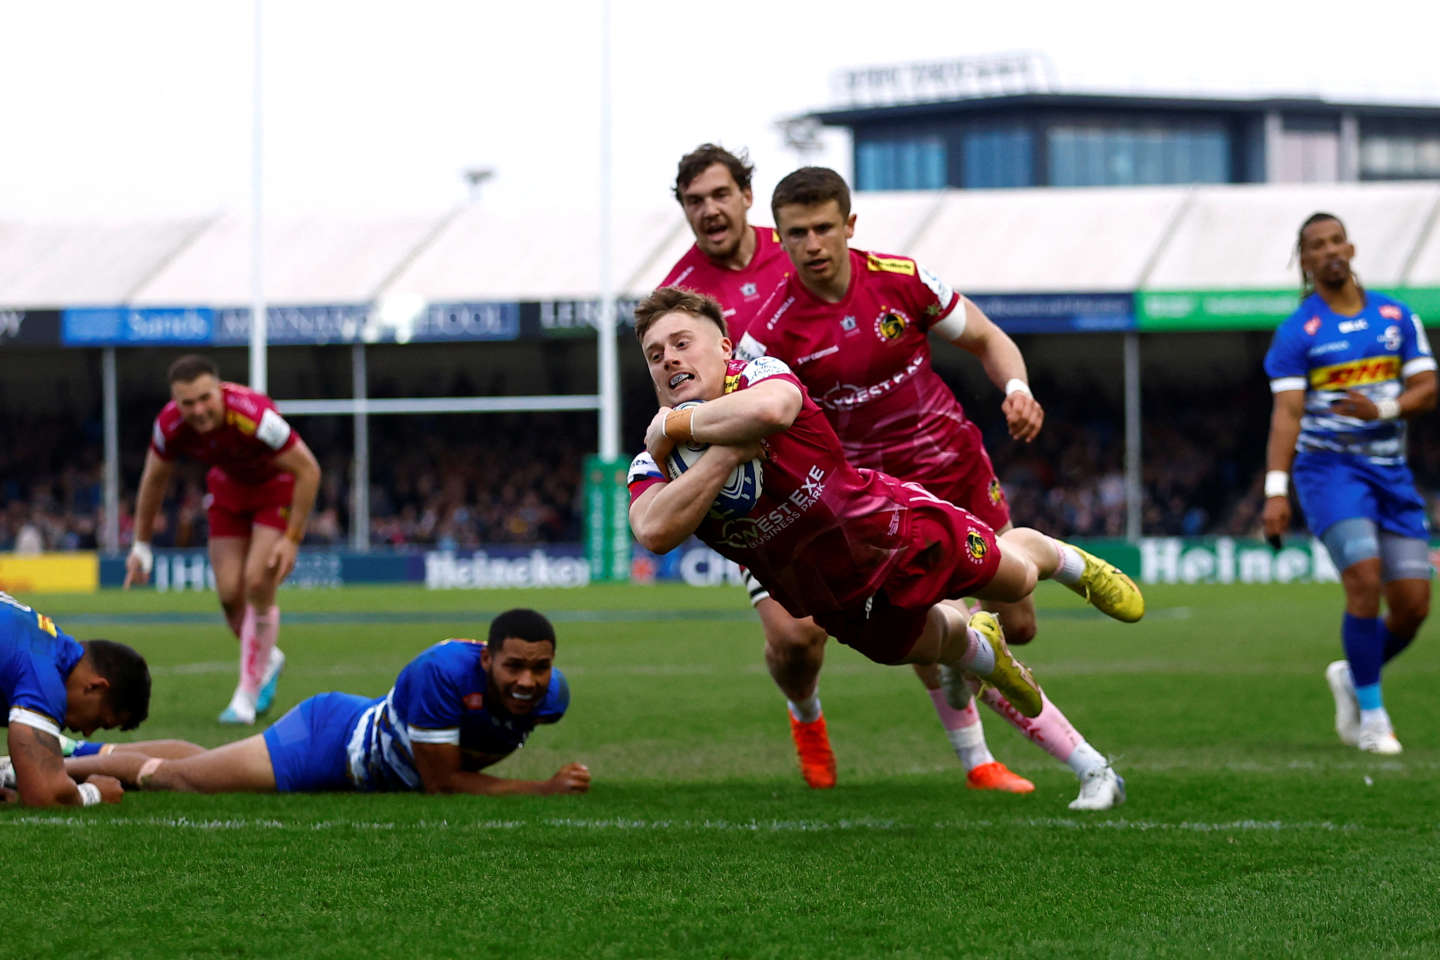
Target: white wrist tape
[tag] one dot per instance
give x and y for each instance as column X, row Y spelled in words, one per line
column 89, row 794
column 1389, row 409
column 142, row 550
column 1277, row 483
column 1016, row 385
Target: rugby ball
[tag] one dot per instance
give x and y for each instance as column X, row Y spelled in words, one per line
column 742, row 488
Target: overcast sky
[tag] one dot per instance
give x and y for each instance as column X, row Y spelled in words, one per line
column 143, row 108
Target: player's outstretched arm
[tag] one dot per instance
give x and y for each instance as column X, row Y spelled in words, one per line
column 302, row 463
column 666, row 513
column 1005, row 366
column 440, row 772
column 154, row 480
column 40, row 778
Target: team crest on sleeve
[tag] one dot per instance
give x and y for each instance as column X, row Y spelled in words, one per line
column 975, row 546
column 891, row 324
column 994, row 492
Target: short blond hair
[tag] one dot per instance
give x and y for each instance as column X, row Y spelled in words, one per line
column 677, row 299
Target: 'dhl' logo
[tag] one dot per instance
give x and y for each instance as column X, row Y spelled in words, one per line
column 891, row 324
column 996, row 494
column 975, row 546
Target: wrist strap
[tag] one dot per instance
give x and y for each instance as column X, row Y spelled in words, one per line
column 295, row 538
column 1388, row 409
column 677, row 425
column 89, row 794
column 1277, row 483
column 1016, row 385
column 141, row 549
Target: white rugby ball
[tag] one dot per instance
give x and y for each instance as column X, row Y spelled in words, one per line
column 742, row 488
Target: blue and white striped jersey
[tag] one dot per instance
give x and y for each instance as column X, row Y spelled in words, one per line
column 35, row 659
column 440, row 697
column 1325, row 354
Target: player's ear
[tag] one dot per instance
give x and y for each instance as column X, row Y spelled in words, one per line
column 485, row 658
column 850, row 226
column 97, row 684
column 749, row 196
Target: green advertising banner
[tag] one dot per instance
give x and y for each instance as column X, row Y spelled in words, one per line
column 607, row 520
column 1158, row 311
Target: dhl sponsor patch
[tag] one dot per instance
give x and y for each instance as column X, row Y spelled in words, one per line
column 732, row 382
column 890, row 264
column 1355, row 373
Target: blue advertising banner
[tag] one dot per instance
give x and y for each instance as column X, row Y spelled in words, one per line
column 336, row 323
column 32, row 328
column 127, row 326
column 1059, row 312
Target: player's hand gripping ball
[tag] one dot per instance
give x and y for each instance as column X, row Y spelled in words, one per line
column 742, row 488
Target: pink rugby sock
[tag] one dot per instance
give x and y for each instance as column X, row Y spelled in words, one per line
column 1050, row 731
column 264, row 630
column 950, row 718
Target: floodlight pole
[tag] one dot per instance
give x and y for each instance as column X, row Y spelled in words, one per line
column 609, row 372
column 258, row 366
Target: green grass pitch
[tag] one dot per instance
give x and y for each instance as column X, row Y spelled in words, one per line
column 1249, row 831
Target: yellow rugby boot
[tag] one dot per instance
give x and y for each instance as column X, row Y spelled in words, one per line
column 1010, row 676
column 1106, row 588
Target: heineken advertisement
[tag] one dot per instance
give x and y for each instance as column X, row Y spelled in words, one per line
column 607, row 519
column 1217, row 560
column 1157, row 311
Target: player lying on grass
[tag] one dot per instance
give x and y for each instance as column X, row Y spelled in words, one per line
column 871, row 559
column 459, row 707
column 48, row 680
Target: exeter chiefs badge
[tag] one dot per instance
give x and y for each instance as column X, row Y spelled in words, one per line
column 975, row 547
column 891, row 324
column 995, row 493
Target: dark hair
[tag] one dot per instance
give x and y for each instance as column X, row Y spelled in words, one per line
column 1306, row 287
column 808, row 187
column 704, row 157
column 129, row 677
column 522, row 624
column 190, row 366
column 668, row 299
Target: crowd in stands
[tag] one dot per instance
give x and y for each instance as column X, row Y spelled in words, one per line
column 473, row 481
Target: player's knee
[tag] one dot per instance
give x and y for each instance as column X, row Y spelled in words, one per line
column 1406, row 619
column 1019, row 629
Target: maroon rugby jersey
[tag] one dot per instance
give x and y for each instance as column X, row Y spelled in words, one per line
column 866, row 361
column 244, row 445
column 740, row 292
column 824, row 534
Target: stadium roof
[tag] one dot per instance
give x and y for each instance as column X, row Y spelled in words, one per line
column 1017, row 241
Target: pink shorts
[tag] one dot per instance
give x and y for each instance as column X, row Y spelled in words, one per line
column 951, row 554
column 970, row 482
column 233, row 507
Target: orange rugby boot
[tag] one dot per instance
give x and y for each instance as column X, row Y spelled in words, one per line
column 996, row 776
column 812, row 743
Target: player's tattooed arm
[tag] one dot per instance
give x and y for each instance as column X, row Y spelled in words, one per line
column 40, row 778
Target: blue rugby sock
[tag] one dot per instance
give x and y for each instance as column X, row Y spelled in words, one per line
column 1393, row 644
column 1364, row 641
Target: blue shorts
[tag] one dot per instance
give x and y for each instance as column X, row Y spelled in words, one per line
column 1337, row 486
column 308, row 745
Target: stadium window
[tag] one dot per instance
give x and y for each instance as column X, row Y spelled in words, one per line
column 917, row 163
column 998, row 157
column 1084, row 157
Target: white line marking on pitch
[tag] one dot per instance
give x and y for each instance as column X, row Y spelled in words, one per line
column 860, row 824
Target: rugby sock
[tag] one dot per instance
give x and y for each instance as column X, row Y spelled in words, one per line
column 979, row 656
column 1363, row 638
column 249, row 678
column 1393, row 645
column 1377, row 717
column 1072, row 565
column 267, row 630
column 807, row 710
column 1051, row 731
column 963, row 729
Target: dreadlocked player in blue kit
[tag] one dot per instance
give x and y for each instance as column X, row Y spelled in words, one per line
column 1346, row 370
